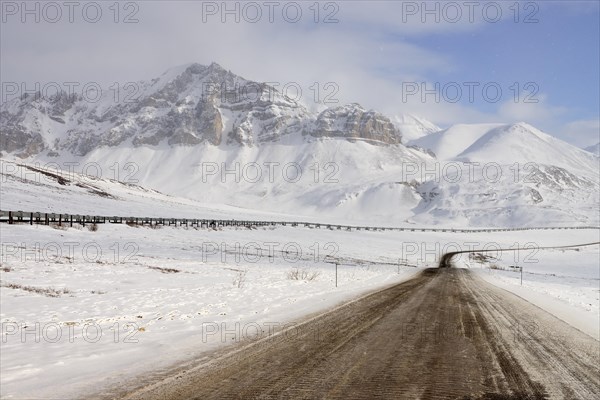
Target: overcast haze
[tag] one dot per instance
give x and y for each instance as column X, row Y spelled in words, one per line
column 549, row 50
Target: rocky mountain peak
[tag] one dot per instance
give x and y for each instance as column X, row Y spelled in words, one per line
column 352, row 121
column 186, row 105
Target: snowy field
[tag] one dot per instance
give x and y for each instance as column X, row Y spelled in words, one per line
column 162, row 293
column 84, row 310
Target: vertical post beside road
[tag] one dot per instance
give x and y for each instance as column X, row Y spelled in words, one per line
column 521, row 268
column 336, row 267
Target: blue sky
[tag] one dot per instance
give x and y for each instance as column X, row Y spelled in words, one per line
column 371, row 53
column 560, row 54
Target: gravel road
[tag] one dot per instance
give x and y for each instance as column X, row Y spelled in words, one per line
column 445, row 334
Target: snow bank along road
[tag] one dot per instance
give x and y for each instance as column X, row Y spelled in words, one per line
column 444, row 334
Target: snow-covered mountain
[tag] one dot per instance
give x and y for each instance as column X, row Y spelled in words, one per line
column 187, row 105
column 506, row 144
column 208, row 135
column 413, row 127
column 594, row 149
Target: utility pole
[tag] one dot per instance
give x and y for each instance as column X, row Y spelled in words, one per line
column 336, row 262
column 521, row 268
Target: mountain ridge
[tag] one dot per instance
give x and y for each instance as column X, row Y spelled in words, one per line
column 186, row 105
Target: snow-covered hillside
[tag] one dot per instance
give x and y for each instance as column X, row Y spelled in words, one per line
column 523, row 143
column 28, row 187
column 330, row 180
column 449, row 143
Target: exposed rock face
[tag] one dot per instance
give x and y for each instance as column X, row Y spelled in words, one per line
column 185, row 106
column 15, row 138
column 354, row 122
column 25, row 139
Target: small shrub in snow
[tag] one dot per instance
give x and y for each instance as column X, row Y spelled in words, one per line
column 240, row 278
column 165, row 270
column 297, row 274
column 293, row 274
column 49, row 292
